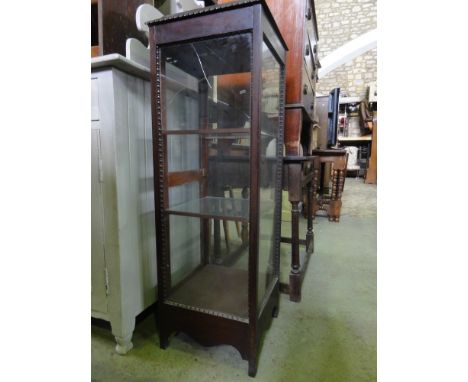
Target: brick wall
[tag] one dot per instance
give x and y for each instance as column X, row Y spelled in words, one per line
column 340, row 21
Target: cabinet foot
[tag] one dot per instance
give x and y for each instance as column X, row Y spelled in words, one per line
column 163, row 340
column 274, row 313
column 124, row 344
column 295, row 287
column 252, row 368
column 310, row 242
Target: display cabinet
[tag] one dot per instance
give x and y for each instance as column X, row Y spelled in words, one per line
column 217, row 107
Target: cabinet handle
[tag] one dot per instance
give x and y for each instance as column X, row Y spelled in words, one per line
column 305, row 89
column 307, row 52
column 309, row 13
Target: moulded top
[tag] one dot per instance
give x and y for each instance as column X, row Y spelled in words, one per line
column 218, row 8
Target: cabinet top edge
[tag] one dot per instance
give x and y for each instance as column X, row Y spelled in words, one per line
column 120, row 62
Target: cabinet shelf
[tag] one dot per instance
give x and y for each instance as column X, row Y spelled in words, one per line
column 216, row 290
column 214, row 207
column 242, row 131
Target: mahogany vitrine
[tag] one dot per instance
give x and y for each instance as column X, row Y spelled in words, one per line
column 218, row 114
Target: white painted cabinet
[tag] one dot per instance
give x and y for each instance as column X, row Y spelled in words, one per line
column 123, row 229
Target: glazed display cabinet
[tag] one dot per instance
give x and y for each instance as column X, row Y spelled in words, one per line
column 217, row 108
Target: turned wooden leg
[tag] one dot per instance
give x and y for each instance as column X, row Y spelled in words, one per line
column 226, row 235
column 334, row 210
column 217, row 240
column 294, row 277
column 314, row 192
column 205, row 242
column 122, row 329
column 238, row 227
column 332, row 204
column 245, row 226
column 124, row 344
column 310, row 227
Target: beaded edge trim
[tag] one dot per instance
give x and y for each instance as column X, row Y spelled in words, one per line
column 199, row 11
column 207, row 311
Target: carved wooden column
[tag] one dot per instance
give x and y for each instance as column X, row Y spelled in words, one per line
column 310, row 227
column 295, row 195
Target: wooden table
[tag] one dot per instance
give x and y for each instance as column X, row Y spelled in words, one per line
column 299, row 173
column 331, row 204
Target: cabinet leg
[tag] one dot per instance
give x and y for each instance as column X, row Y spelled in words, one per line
column 294, row 276
column 163, row 340
column 310, row 226
column 124, row 344
column 122, row 330
column 252, row 366
column 334, row 208
column 275, row 311
column 295, row 294
column 217, row 241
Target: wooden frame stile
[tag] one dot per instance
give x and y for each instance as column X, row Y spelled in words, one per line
column 214, row 328
column 158, row 178
column 256, row 68
column 270, row 305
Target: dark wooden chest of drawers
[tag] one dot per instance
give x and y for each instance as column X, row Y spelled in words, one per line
column 297, row 22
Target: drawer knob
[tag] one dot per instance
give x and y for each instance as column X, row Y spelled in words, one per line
column 307, row 52
column 309, row 13
column 305, row 89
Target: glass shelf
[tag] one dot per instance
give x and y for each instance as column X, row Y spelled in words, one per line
column 209, row 132
column 214, row 207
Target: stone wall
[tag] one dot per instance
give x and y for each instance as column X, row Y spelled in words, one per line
column 340, row 21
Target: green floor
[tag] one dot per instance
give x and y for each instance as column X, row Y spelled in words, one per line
column 329, row 336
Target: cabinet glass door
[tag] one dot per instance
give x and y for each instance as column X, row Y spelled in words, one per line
column 205, row 102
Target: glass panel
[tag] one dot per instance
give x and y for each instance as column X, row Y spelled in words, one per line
column 207, row 84
column 183, row 193
column 269, row 127
column 183, row 152
column 206, row 120
column 185, row 246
